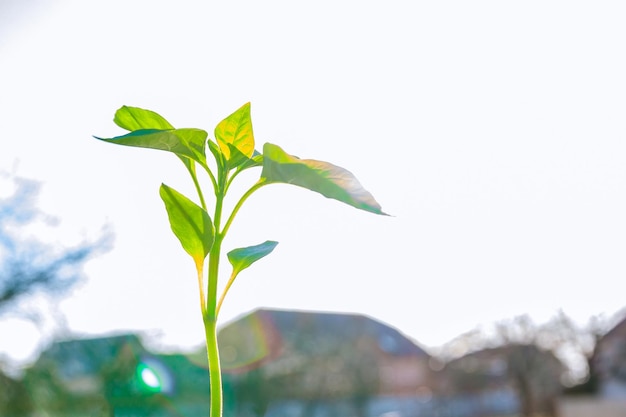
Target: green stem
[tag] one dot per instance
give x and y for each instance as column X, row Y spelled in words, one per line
column 198, row 189
column 210, row 314
column 200, row 271
column 210, row 328
column 228, row 285
column 230, row 180
column 210, row 173
column 215, row 374
column 260, row 183
column 191, row 167
column 211, row 297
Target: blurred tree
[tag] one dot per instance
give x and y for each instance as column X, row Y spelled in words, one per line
column 28, row 265
column 522, row 342
column 571, row 343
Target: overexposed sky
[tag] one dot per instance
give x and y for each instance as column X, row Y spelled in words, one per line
column 493, row 132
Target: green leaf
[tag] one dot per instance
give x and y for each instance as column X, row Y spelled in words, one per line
column 241, row 161
column 242, row 258
column 187, row 142
column 236, row 130
column 134, row 118
column 217, row 154
column 255, row 161
column 190, row 223
column 322, row 177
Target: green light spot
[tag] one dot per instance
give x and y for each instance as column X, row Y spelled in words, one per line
column 148, row 378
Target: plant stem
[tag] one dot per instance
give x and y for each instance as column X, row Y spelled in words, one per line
column 198, row 190
column 210, row 313
column 260, row 183
column 200, row 272
column 230, row 282
column 210, row 328
column 191, row 167
column 215, row 374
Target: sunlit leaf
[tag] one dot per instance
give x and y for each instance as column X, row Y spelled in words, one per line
column 190, row 223
column 187, row 142
column 236, row 130
column 242, row 258
column 255, row 161
column 134, row 118
column 325, row 178
column 241, row 161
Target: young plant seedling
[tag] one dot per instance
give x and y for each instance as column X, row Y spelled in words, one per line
column 201, row 235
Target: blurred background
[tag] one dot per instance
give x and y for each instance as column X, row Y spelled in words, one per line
column 492, row 133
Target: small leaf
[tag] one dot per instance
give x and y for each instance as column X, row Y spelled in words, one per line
column 325, row 178
column 241, row 161
column 255, row 161
column 190, row 223
column 134, row 118
column 217, row 153
column 242, row 258
column 236, row 130
column 187, row 142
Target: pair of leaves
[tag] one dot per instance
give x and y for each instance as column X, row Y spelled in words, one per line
column 194, row 229
column 150, row 130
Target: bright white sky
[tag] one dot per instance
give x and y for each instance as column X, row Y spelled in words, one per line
column 493, row 131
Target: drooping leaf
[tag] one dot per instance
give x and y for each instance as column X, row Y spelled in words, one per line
column 236, row 130
column 187, row 142
column 134, row 118
column 190, row 223
column 242, row 258
column 325, row 178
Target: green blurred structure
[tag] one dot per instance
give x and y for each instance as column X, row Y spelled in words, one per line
column 115, row 376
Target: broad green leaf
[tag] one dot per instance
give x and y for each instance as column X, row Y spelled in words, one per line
column 187, row 142
column 242, row 258
column 190, row 223
column 322, row 177
column 134, row 118
column 236, row 130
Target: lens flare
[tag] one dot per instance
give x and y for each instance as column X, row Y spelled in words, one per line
column 148, row 378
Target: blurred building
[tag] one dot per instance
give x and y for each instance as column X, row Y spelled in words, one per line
column 312, row 361
column 115, row 376
column 605, row 392
column 609, row 363
column 516, row 379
